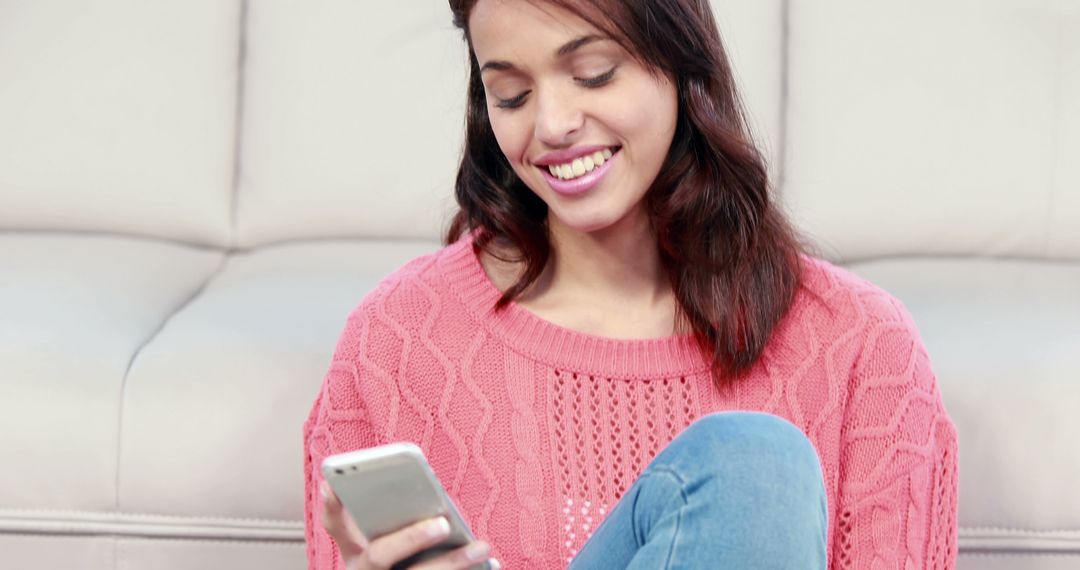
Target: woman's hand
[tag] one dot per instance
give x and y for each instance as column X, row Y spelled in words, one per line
column 385, row 551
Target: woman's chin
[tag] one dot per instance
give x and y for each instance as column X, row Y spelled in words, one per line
column 583, row 224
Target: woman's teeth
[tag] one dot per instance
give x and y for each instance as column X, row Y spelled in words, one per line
column 580, row 166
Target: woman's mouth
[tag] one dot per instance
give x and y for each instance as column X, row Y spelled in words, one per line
column 579, row 166
column 581, row 174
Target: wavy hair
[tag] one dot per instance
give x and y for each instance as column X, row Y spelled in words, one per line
column 732, row 257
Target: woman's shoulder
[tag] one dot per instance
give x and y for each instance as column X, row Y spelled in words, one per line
column 834, row 292
column 845, row 316
column 418, row 283
column 871, row 345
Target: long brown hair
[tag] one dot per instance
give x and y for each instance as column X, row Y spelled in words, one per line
column 731, row 256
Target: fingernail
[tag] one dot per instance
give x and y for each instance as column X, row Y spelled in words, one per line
column 323, row 491
column 477, row 551
column 494, row 565
column 437, row 528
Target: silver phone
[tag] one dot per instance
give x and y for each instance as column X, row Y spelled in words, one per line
column 389, row 487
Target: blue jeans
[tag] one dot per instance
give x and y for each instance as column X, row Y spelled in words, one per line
column 734, row 490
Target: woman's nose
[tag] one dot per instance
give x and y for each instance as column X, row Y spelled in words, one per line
column 558, row 120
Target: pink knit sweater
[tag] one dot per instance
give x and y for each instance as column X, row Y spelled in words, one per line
column 536, row 430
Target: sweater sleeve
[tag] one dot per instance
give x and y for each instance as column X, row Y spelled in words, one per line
column 338, row 422
column 897, row 501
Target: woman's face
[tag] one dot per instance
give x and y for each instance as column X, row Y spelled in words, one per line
column 582, row 123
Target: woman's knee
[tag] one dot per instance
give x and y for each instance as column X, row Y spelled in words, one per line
column 757, row 469
column 763, row 440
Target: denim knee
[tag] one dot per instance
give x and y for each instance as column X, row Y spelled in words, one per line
column 744, row 484
column 762, row 440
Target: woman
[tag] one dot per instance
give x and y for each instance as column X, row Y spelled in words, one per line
column 624, row 329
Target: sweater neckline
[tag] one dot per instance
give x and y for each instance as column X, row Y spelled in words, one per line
column 560, row 347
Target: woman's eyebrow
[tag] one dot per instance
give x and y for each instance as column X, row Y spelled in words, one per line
column 496, row 65
column 572, row 45
column 564, row 50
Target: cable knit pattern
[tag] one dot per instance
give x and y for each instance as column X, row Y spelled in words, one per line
column 536, row 430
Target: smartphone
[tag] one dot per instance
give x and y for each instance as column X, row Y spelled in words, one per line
column 389, row 487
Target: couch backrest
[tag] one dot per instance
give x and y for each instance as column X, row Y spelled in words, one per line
column 935, row 127
column 119, row 116
column 243, row 123
column 352, row 119
column 920, row 127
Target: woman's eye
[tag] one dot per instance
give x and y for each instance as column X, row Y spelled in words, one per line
column 595, row 81
column 512, row 103
column 598, row 80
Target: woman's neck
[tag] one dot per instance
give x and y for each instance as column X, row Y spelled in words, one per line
column 620, row 263
column 607, row 283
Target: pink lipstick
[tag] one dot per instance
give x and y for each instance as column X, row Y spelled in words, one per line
column 580, row 184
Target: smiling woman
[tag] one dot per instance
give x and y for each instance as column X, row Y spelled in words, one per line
column 553, row 103
column 686, row 193
column 624, row 358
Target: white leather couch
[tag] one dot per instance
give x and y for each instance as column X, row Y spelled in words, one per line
column 195, row 193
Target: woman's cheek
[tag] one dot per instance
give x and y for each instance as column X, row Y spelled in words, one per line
column 512, row 140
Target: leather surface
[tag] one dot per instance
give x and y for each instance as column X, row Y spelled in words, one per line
column 74, row 311
column 118, row 116
column 213, row 406
column 930, row 127
column 48, row 552
column 34, row 552
column 1030, row 561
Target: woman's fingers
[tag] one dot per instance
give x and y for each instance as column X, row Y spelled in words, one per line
column 392, row 548
column 339, row 525
column 460, row 559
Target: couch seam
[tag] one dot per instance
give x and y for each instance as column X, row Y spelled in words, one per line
column 1065, row 260
column 1005, row 551
column 1021, row 531
column 284, row 543
column 135, row 355
column 90, row 233
column 785, row 86
column 1058, row 133
column 154, row 529
column 1019, row 554
column 238, row 125
column 3, row 512
column 175, row 518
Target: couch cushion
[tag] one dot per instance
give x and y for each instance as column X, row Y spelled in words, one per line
column 173, row 554
column 1004, row 337
column 35, row 552
column 118, row 116
column 354, row 113
column 1014, row 561
column 213, row 407
column 929, row 127
column 74, row 311
column 50, row 552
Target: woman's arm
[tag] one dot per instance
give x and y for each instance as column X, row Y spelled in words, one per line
column 897, row 500
column 338, row 422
